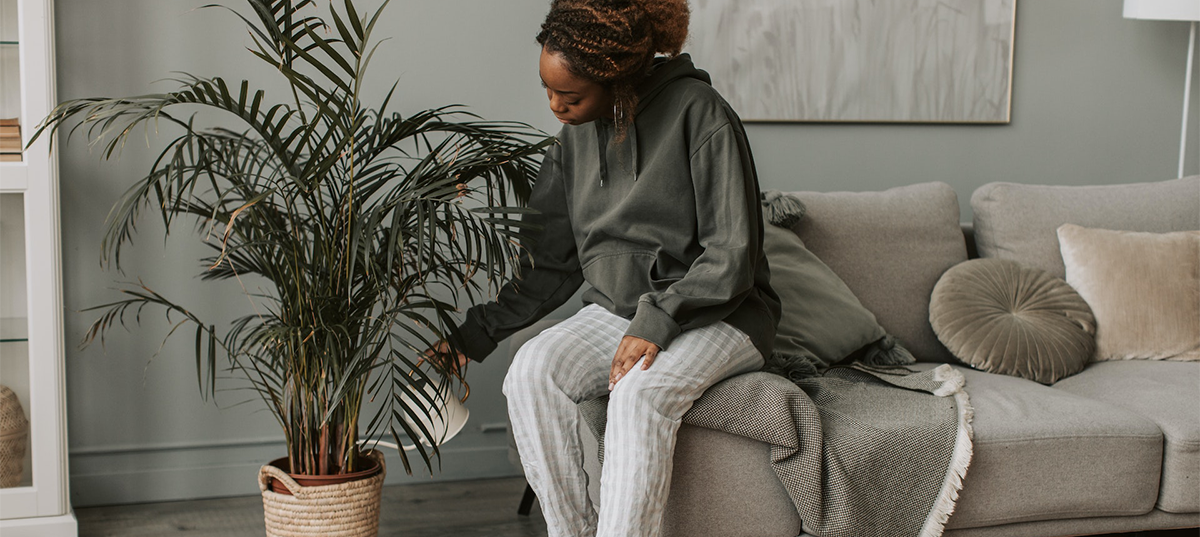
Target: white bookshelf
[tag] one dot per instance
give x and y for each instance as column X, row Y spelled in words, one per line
column 31, row 324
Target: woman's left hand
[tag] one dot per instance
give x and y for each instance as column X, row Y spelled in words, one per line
column 632, row 349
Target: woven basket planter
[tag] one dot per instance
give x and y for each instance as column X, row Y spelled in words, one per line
column 348, row 509
column 14, row 436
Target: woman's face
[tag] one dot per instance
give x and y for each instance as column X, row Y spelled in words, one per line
column 573, row 100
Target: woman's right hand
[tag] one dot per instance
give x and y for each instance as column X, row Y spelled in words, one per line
column 441, row 355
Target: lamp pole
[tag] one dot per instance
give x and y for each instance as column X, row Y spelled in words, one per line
column 1187, row 94
column 1173, row 10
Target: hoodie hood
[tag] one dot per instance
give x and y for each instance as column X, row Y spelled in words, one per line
column 663, row 71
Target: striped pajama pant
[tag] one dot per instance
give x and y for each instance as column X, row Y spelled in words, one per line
column 569, row 363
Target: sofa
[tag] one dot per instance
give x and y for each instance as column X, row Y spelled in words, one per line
column 1112, row 449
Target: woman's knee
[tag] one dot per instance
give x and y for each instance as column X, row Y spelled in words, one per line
column 642, row 393
column 536, row 363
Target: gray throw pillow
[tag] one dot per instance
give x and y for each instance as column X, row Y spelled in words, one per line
column 890, row 247
column 1002, row 317
column 822, row 321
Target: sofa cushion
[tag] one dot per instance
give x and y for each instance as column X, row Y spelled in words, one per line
column 821, row 320
column 1167, row 393
column 1002, row 317
column 890, row 248
column 1041, row 453
column 1018, row 222
column 1144, row 289
column 1136, row 526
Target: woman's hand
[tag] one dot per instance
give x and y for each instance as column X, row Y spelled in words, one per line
column 441, row 355
column 632, row 349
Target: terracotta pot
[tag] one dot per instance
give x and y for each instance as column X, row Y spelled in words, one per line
column 317, row 480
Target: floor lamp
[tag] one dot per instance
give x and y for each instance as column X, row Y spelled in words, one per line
column 1172, row 10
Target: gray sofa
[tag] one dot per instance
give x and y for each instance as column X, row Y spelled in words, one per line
column 1115, row 448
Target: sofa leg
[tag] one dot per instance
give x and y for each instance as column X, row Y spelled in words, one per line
column 526, row 501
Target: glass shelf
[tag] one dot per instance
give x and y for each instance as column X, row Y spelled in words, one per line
column 10, row 43
column 13, row 329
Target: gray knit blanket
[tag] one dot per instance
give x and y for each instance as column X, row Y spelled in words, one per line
column 861, row 451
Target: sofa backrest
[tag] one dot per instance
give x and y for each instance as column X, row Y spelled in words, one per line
column 1019, row 222
column 890, row 248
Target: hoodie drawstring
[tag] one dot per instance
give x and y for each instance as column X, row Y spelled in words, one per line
column 602, row 140
column 634, row 144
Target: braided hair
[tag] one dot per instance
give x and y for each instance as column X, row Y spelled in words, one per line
column 613, row 43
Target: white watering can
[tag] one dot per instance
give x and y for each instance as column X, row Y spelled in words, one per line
column 443, row 419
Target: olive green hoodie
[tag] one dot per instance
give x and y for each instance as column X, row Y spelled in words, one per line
column 665, row 225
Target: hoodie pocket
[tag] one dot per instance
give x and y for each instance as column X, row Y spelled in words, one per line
column 623, row 277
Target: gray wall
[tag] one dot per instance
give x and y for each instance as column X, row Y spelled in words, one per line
column 1096, row 100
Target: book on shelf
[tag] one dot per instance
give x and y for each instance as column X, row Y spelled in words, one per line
column 10, row 145
column 10, row 157
column 10, row 129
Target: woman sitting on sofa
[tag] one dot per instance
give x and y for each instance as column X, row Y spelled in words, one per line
column 651, row 197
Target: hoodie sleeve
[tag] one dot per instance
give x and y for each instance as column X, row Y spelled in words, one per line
column 729, row 228
column 549, row 268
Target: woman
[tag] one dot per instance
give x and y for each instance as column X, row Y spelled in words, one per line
column 651, row 198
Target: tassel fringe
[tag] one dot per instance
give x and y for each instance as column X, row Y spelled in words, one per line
column 790, row 366
column 953, row 383
column 782, row 210
column 887, row 351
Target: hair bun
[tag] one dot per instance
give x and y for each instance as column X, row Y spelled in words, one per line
column 670, row 19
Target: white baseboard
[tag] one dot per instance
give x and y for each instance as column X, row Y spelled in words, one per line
column 122, row 476
column 55, row 526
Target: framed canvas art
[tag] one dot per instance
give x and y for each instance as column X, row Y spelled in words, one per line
column 908, row 61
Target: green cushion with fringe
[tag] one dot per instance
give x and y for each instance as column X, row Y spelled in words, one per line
column 823, row 323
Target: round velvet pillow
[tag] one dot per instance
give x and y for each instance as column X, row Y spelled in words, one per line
column 1001, row 317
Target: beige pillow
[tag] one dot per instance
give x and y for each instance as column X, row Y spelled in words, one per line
column 1144, row 289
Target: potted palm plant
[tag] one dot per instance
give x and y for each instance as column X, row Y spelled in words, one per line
column 367, row 226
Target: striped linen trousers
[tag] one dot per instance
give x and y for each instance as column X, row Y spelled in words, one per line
column 569, row 363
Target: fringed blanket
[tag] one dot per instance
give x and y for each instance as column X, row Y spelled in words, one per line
column 862, row 451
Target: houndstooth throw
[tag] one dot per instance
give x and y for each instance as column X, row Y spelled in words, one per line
column 861, row 451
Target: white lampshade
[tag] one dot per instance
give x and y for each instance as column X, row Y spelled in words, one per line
column 1163, row 10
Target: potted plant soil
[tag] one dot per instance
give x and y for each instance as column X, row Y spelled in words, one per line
column 367, row 226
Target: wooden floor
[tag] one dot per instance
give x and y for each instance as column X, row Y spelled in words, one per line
column 462, row 508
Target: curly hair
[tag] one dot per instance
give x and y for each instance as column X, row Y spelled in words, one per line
column 613, row 42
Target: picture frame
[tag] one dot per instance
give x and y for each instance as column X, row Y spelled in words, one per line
column 847, row 61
